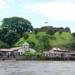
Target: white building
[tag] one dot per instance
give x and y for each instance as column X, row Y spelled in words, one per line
column 25, row 47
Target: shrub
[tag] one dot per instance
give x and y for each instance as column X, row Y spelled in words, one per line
column 30, row 54
column 31, row 43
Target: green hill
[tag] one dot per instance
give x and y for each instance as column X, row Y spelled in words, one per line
column 56, row 40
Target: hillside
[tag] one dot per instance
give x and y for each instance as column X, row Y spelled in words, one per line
column 56, row 40
column 14, row 31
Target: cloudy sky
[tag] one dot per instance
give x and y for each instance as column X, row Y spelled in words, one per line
column 58, row 13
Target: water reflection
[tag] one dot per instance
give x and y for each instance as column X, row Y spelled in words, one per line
column 37, row 68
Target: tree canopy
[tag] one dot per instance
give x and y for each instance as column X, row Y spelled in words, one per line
column 17, row 24
column 13, row 29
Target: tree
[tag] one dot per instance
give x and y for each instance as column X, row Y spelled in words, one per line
column 31, row 43
column 43, row 42
column 3, row 45
column 67, row 29
column 73, row 34
column 25, row 35
column 71, row 44
column 17, row 24
column 36, row 30
column 51, row 32
column 10, row 38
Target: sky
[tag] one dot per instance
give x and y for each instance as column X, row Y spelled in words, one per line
column 57, row 13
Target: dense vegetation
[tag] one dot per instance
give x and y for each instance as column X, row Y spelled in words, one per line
column 12, row 29
column 15, row 31
column 53, row 29
column 32, row 54
column 44, row 41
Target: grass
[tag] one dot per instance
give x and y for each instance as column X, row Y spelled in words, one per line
column 61, row 39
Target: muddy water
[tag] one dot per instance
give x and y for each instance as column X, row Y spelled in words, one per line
column 37, row 67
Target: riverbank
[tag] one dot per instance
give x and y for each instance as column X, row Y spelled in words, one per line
column 22, row 58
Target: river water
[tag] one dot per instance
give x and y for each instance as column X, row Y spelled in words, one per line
column 37, row 67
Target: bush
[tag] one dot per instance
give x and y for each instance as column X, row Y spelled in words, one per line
column 73, row 34
column 25, row 35
column 30, row 54
column 31, row 43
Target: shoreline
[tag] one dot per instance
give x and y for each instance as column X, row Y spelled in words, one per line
column 39, row 59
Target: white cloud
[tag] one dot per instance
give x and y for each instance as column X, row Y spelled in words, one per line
column 56, row 10
column 2, row 4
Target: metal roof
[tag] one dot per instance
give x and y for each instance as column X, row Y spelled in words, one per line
column 11, row 49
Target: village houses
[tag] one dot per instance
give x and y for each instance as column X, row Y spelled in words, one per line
column 17, row 50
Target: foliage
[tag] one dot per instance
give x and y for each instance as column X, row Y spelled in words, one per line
column 25, row 35
column 67, row 29
column 11, row 37
column 17, row 24
column 73, row 34
column 43, row 42
column 20, row 42
column 30, row 54
column 3, row 45
column 51, row 32
column 53, row 29
column 12, row 29
column 71, row 44
column 31, row 43
column 3, row 32
column 15, row 31
column 36, row 30
column 55, row 40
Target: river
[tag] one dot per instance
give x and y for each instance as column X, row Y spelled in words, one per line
column 37, row 67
